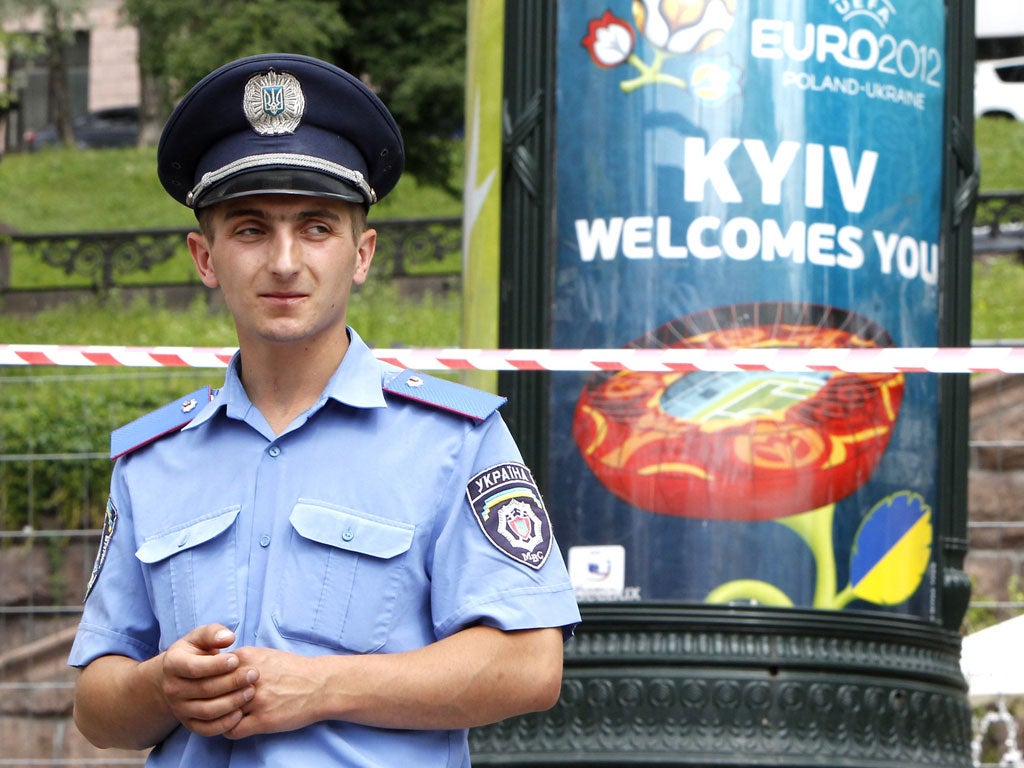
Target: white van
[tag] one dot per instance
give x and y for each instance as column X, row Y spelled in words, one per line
column 999, row 88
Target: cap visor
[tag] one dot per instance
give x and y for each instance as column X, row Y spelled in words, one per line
column 281, row 181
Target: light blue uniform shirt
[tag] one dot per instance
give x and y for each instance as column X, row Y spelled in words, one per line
column 351, row 532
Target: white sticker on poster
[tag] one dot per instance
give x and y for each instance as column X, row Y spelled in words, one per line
column 598, row 572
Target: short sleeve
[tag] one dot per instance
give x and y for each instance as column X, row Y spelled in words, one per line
column 117, row 618
column 496, row 561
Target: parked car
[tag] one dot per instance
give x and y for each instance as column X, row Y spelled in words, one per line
column 111, row 127
column 999, row 88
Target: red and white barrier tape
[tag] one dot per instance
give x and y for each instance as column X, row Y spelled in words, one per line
column 787, row 359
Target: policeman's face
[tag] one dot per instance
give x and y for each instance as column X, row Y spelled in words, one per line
column 285, row 264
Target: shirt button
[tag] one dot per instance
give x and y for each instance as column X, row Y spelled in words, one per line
column 274, row 451
column 347, row 536
column 264, row 540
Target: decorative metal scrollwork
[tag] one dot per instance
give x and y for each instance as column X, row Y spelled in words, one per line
column 698, row 686
column 417, row 246
column 103, row 257
column 405, row 247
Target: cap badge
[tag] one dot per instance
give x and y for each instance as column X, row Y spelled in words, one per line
column 273, row 103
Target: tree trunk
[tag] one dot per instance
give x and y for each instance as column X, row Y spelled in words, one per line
column 151, row 109
column 153, row 106
column 59, row 94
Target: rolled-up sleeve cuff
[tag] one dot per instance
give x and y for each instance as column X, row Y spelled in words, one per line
column 528, row 608
column 93, row 641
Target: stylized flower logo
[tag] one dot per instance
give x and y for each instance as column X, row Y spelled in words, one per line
column 716, row 79
column 673, row 28
column 683, row 26
column 609, row 40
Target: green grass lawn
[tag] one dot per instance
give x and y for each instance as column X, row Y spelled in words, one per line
column 1000, row 145
column 999, row 283
column 68, row 190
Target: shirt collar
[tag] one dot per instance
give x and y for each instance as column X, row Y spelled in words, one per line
column 356, row 382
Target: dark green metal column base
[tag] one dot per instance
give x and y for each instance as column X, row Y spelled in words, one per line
column 675, row 685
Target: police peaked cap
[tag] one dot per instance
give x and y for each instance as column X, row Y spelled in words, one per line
column 279, row 123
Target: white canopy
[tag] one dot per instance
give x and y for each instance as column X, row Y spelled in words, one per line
column 992, row 660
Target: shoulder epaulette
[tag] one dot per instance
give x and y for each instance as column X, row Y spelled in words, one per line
column 154, row 425
column 446, row 395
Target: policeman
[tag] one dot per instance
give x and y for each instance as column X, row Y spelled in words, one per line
column 328, row 561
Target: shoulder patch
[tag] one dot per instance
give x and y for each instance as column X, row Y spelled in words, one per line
column 154, row 425
column 109, row 524
column 446, row 395
column 511, row 513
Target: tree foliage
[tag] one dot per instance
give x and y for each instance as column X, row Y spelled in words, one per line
column 180, row 41
column 416, row 61
column 413, row 59
column 14, row 44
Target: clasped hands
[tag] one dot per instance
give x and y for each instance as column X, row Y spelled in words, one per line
column 236, row 693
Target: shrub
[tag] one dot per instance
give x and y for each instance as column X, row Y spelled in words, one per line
column 54, row 437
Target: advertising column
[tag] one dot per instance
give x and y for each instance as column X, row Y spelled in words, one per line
column 734, row 175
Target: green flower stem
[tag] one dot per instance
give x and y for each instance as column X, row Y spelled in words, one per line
column 843, row 598
column 815, row 528
column 651, row 74
column 759, row 592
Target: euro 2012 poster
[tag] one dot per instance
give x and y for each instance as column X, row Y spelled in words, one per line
column 748, row 174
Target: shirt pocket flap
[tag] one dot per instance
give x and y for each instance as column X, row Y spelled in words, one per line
column 352, row 531
column 163, row 545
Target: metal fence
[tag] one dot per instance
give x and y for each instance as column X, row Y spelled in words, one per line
column 48, row 542
column 424, row 250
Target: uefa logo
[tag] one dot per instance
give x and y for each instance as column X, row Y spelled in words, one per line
column 880, row 11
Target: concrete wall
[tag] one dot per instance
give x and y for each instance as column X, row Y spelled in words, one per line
column 995, row 559
column 113, row 58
